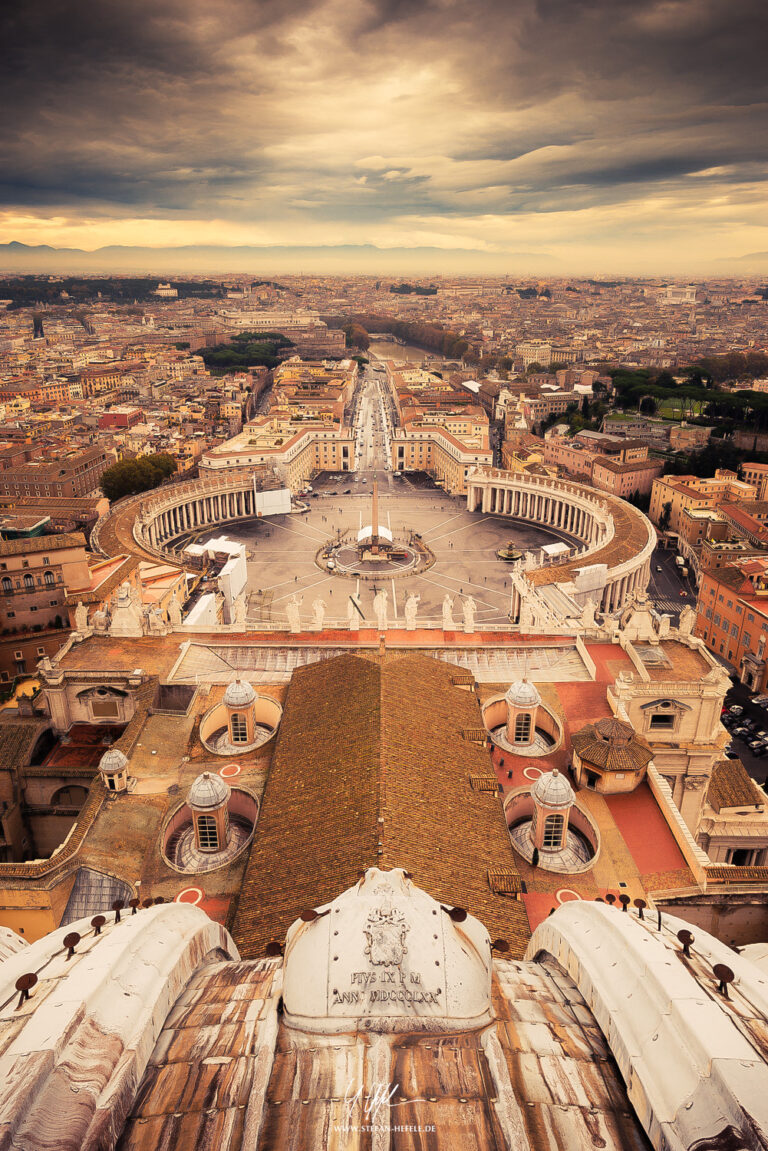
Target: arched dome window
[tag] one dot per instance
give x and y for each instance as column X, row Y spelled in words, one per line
column 554, row 827
column 209, row 798
column 7, row 585
column 207, row 833
column 28, row 581
column 523, row 727
column 238, row 727
column 49, row 579
column 523, row 700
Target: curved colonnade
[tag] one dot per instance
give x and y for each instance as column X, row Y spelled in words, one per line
column 617, row 539
column 612, row 532
column 147, row 523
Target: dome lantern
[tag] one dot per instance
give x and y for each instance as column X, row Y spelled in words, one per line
column 553, row 798
column 239, row 700
column 113, row 769
column 209, row 798
column 523, row 700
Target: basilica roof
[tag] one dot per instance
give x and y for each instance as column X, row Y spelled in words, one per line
column 390, row 783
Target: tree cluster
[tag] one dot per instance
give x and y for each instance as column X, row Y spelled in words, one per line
column 129, row 477
column 424, row 334
column 704, row 463
column 26, row 291
column 356, row 337
column 412, row 289
column 245, row 350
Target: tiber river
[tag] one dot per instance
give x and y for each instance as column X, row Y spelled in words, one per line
column 385, row 350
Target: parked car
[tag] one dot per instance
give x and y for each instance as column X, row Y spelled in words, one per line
column 760, row 700
column 739, row 732
column 736, row 709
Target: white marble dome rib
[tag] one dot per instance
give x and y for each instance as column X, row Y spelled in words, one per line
column 385, row 956
column 208, row 791
column 553, row 790
column 239, row 694
column 113, row 761
column 521, row 693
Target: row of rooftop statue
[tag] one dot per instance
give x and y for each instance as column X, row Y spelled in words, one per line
column 128, row 616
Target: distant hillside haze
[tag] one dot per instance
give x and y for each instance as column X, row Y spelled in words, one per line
column 363, row 258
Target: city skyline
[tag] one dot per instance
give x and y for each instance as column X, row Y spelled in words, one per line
column 550, row 139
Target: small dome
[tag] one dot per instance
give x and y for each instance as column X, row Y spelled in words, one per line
column 553, row 790
column 208, row 791
column 239, row 694
column 614, row 731
column 612, row 745
column 523, row 694
column 113, row 761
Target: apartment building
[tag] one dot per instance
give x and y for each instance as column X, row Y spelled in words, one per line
column 76, row 473
column 537, row 408
column 534, row 352
column 296, row 450
column 732, row 617
column 35, row 576
column 757, row 475
column 631, row 478
column 688, row 437
column 685, row 492
column 428, row 446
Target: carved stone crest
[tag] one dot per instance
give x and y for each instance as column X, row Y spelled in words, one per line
column 385, row 931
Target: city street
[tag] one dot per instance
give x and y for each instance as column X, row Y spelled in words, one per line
column 757, row 766
column 665, row 586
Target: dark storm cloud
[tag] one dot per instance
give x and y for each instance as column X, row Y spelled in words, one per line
column 373, row 109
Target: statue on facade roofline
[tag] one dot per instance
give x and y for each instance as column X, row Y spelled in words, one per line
column 353, row 618
column 588, row 615
column 293, row 614
column 411, row 607
column 240, row 611
column 318, row 610
column 380, row 608
column 687, row 621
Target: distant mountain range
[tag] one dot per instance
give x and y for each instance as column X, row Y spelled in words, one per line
column 758, row 259
column 360, row 258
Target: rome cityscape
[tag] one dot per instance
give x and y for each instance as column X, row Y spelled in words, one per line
column 384, row 571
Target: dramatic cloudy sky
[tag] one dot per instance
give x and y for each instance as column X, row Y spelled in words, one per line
column 614, row 135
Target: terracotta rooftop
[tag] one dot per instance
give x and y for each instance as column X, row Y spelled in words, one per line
column 612, row 745
column 731, row 786
column 388, row 784
column 50, row 543
column 630, row 535
column 685, row 663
